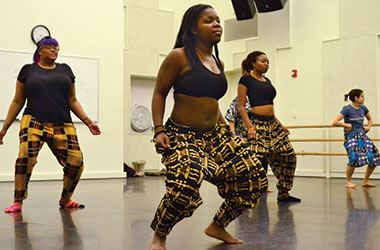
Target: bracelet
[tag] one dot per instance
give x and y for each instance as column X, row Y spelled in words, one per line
column 157, row 126
column 251, row 128
column 87, row 119
column 159, row 132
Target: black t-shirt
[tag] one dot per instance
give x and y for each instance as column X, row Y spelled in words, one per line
column 47, row 92
column 259, row 93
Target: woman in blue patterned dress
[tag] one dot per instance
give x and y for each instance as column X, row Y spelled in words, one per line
column 360, row 149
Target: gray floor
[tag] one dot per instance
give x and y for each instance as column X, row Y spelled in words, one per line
column 118, row 214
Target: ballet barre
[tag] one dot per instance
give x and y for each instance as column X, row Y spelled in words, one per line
column 326, row 126
column 326, row 146
column 321, row 153
column 323, row 140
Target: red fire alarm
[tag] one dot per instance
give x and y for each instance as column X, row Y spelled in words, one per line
column 294, row 73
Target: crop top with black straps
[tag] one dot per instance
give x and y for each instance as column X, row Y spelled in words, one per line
column 201, row 82
column 259, row 93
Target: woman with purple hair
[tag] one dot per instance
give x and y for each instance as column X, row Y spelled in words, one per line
column 49, row 89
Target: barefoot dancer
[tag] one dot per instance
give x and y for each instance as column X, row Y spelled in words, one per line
column 49, row 88
column 360, row 149
column 196, row 143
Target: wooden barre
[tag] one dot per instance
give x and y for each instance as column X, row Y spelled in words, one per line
column 326, row 126
column 324, row 140
column 319, row 153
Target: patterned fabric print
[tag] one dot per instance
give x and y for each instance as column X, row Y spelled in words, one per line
column 273, row 145
column 62, row 141
column 233, row 115
column 216, row 157
column 361, row 150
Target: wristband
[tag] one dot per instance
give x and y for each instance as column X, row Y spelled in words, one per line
column 159, row 132
column 157, row 126
column 251, row 129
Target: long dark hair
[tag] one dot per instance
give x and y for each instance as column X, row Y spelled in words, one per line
column 186, row 38
column 352, row 94
column 246, row 65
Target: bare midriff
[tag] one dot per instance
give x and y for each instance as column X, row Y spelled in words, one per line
column 200, row 113
column 264, row 110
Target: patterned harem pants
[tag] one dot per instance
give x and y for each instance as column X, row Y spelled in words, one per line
column 214, row 156
column 62, row 141
column 273, row 146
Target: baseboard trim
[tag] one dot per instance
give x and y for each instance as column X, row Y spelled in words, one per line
column 59, row 176
column 121, row 174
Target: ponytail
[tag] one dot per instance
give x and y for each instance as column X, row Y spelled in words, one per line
column 246, row 65
column 352, row 94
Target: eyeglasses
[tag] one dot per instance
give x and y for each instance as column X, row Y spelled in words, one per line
column 50, row 47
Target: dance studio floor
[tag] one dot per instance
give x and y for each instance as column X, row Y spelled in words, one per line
column 118, row 213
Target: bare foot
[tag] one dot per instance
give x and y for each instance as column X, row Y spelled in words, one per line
column 349, row 184
column 215, row 231
column 368, row 184
column 269, row 191
column 158, row 243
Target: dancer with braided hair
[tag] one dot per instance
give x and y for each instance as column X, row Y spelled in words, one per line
column 196, row 143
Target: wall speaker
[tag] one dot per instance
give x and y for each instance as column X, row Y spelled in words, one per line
column 244, row 9
column 269, row 5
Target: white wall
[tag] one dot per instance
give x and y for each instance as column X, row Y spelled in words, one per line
column 297, row 37
column 352, row 61
column 131, row 37
column 311, row 24
column 149, row 37
column 83, row 28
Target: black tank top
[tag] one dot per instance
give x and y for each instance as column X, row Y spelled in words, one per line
column 201, row 82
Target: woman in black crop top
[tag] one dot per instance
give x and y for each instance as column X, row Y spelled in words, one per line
column 49, row 89
column 196, row 143
column 263, row 131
